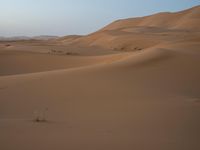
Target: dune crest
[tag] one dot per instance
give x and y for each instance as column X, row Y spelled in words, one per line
column 131, row 34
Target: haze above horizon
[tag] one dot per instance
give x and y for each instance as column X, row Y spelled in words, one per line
column 68, row 17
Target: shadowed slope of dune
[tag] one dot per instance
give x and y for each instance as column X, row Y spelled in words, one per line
column 21, row 62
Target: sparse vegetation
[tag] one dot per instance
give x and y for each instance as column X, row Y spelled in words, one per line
column 137, row 48
column 56, row 51
column 40, row 116
column 71, row 53
column 127, row 49
column 60, row 52
column 7, row 45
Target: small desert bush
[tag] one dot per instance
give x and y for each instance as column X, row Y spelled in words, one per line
column 40, row 115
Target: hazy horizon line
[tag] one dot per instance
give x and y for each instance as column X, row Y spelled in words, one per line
column 92, row 30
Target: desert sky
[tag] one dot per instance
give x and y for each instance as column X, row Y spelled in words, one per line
column 69, row 17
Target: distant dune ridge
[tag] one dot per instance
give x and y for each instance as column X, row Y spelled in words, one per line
column 187, row 19
column 129, row 32
column 133, row 85
column 18, row 38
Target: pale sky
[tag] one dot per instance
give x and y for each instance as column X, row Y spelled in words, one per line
column 66, row 17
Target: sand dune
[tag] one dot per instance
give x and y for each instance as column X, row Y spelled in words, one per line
column 143, row 32
column 12, row 62
column 139, row 89
column 187, row 19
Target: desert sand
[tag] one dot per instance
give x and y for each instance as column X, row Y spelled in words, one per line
column 133, row 85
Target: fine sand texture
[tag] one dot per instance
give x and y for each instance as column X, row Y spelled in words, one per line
column 133, row 85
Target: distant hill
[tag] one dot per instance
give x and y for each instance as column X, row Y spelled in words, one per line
column 188, row 19
column 18, row 38
column 138, row 32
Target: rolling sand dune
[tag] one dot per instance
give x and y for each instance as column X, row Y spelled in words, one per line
column 188, row 19
column 142, row 92
column 144, row 32
column 12, row 62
